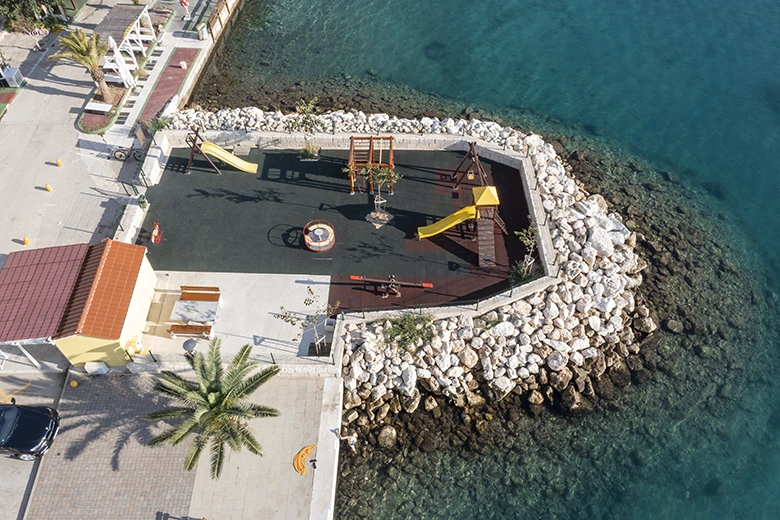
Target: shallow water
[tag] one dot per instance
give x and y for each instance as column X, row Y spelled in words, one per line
column 690, row 87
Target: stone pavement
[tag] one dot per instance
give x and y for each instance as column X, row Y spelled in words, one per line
column 268, row 487
column 100, row 464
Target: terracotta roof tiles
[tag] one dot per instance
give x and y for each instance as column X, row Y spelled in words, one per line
column 100, row 301
column 35, row 286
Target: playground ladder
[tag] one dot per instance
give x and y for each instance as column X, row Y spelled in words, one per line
column 500, row 223
column 486, row 242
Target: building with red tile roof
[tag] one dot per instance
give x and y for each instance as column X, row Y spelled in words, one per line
column 90, row 301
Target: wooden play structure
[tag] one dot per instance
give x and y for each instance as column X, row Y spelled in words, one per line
column 369, row 152
column 199, row 146
column 386, row 287
column 484, row 209
column 474, row 168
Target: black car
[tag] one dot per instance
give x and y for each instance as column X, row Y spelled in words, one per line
column 26, row 432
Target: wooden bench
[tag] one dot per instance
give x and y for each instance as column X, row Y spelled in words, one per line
column 100, row 108
column 200, row 296
column 198, row 288
column 190, row 330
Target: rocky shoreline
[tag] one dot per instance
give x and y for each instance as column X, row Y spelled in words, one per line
column 709, row 363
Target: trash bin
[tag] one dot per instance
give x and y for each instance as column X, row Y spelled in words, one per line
column 142, row 201
column 202, row 30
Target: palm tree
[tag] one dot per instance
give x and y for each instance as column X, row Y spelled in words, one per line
column 214, row 408
column 86, row 50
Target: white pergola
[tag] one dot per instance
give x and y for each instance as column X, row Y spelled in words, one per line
column 131, row 26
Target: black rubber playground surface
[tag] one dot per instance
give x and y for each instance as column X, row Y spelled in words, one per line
column 239, row 222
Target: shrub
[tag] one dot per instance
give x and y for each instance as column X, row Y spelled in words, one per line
column 408, row 328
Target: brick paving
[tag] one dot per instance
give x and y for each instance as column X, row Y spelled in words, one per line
column 101, row 467
column 171, row 80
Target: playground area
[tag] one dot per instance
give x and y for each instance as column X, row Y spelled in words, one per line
column 271, row 221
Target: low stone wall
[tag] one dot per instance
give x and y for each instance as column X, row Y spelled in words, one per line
column 552, row 346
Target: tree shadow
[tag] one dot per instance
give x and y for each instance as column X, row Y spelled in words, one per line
column 114, row 405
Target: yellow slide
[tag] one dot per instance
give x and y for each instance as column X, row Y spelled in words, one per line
column 447, row 222
column 228, row 158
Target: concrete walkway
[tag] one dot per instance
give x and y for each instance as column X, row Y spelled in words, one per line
column 40, row 127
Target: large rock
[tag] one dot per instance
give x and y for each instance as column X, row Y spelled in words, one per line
column 536, row 397
column 410, row 403
column 468, row 358
column 675, row 326
column 560, row 379
column 387, row 437
column 599, row 239
column 503, row 329
column 378, row 392
column 557, row 361
column 473, row 399
column 646, row 325
column 503, row 385
column 574, row 402
column 409, row 378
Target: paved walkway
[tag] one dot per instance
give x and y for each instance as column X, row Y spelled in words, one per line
column 268, row 487
column 40, row 127
column 101, row 465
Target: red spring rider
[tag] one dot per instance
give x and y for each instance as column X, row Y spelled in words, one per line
column 155, row 237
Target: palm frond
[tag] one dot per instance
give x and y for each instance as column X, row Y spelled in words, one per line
column 193, row 454
column 182, row 430
column 239, row 368
column 199, row 366
column 162, row 438
column 169, row 413
column 217, row 456
column 214, row 361
column 250, row 410
column 248, row 439
column 252, row 383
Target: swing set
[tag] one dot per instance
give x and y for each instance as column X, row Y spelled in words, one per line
column 368, row 152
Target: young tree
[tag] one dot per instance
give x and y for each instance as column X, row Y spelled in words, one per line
column 320, row 313
column 215, row 406
column 87, row 51
column 381, row 177
column 305, row 119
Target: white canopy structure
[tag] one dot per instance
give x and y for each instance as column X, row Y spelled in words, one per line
column 131, row 27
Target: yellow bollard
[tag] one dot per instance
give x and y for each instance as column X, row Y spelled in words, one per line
column 48, row 187
column 74, row 384
column 58, row 162
column 26, row 241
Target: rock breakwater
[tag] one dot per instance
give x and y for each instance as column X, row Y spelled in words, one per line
column 559, row 347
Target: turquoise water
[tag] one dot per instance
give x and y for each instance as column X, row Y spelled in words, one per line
column 693, row 88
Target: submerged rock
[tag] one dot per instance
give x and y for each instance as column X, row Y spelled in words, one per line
column 387, row 437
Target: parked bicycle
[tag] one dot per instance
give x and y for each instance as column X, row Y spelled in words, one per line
column 122, row 154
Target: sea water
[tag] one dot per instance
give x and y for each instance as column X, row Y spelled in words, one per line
column 692, row 87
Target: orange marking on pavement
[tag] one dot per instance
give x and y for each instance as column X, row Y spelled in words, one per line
column 7, row 397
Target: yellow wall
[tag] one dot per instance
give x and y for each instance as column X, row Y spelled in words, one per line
column 143, row 293
column 82, row 349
